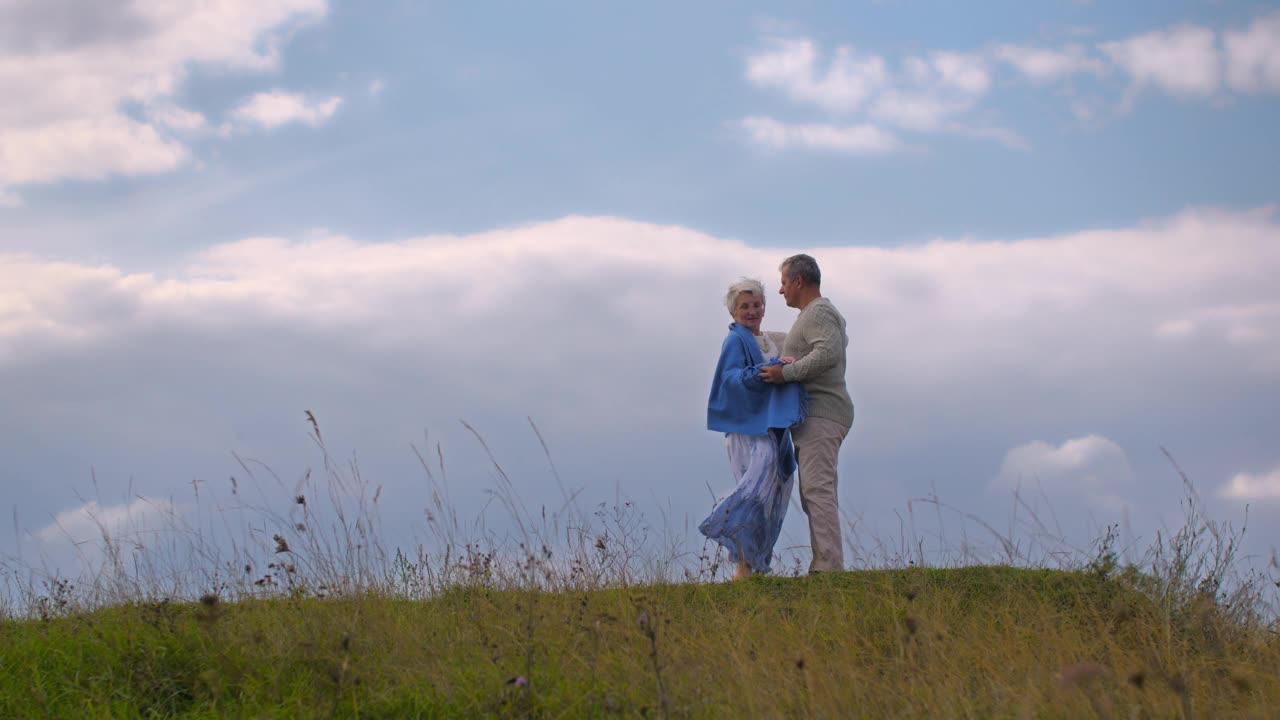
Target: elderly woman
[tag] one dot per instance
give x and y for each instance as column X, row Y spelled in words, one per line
column 756, row 418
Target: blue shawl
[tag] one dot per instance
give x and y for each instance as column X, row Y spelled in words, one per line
column 741, row 402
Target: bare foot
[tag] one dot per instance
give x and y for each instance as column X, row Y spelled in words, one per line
column 744, row 571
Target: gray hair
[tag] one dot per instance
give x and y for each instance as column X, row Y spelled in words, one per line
column 750, row 285
column 803, row 267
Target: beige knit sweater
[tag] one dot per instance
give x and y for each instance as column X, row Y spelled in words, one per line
column 817, row 341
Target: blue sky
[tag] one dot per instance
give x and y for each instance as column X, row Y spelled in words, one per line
column 504, row 114
column 1051, row 225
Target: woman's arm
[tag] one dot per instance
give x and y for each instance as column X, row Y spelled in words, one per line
column 737, row 366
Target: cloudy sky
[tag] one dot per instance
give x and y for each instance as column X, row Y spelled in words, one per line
column 1052, row 226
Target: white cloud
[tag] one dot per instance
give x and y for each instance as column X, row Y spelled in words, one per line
column 177, row 118
column 70, row 75
column 1075, row 310
column 1092, row 465
column 917, row 111
column 1253, row 56
column 1249, row 486
column 1215, row 268
column 964, row 73
column 943, row 91
column 272, row 109
column 933, row 91
column 91, row 522
column 1239, row 324
column 376, row 87
column 954, row 343
column 853, row 139
column 1004, row 136
column 791, row 65
column 1173, row 329
column 93, row 539
column 86, row 149
column 1044, row 65
column 1183, row 61
column 936, row 95
column 929, row 94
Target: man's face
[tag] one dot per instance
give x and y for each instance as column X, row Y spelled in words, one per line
column 789, row 288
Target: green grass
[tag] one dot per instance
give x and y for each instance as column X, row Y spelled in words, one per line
column 593, row 613
column 981, row 642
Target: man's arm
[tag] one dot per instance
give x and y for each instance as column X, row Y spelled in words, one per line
column 827, row 342
column 772, row 374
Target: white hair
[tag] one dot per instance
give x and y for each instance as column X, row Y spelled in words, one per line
column 745, row 285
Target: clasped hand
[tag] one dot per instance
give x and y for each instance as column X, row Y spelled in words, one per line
column 773, row 373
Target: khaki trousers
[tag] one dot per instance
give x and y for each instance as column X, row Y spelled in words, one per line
column 817, row 442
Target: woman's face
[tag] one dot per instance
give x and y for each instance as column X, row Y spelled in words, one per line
column 749, row 311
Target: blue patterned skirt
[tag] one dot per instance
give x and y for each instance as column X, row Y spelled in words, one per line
column 747, row 521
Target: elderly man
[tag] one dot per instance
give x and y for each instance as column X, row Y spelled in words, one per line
column 817, row 341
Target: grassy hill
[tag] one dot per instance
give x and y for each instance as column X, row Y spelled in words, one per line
column 981, row 642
